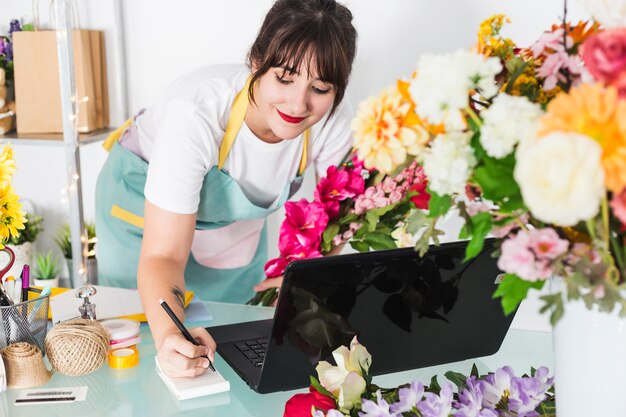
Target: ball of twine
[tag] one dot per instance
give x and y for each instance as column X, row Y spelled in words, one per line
column 77, row 347
column 24, row 365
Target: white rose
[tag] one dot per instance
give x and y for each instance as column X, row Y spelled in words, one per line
column 610, row 13
column 561, row 177
column 507, row 121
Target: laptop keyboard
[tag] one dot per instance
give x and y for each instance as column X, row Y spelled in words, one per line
column 254, row 350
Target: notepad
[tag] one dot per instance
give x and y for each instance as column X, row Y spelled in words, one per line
column 210, row 382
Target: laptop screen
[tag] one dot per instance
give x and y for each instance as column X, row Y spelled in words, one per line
column 408, row 311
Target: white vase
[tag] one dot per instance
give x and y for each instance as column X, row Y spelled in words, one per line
column 590, row 359
column 23, row 256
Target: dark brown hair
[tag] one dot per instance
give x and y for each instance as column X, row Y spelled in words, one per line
column 295, row 31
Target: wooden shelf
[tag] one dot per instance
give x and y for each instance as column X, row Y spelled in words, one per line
column 54, row 139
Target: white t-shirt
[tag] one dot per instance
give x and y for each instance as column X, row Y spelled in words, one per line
column 181, row 134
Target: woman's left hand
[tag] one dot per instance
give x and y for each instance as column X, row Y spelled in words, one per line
column 268, row 283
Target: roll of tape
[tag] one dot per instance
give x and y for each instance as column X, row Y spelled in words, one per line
column 123, row 358
column 121, row 328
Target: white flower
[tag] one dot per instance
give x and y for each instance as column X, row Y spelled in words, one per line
column 346, row 380
column 402, row 238
column 448, row 162
column 443, row 82
column 561, row 177
column 610, row 13
column 507, row 121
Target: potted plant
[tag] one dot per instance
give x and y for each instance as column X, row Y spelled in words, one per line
column 22, row 244
column 63, row 240
column 46, row 271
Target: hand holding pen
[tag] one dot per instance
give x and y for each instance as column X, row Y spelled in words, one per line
column 182, row 329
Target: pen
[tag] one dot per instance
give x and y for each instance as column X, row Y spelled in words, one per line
column 182, row 328
column 17, row 290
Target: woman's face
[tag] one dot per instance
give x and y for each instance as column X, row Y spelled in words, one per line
column 288, row 103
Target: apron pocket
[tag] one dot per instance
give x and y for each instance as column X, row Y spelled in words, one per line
column 228, row 247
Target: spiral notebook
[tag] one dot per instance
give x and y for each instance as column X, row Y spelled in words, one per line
column 210, row 382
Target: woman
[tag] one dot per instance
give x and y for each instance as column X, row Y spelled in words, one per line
column 198, row 172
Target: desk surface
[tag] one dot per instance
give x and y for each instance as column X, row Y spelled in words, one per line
column 140, row 392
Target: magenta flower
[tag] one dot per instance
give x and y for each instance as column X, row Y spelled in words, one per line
column 546, row 244
column 618, row 205
column 336, row 186
column 304, row 222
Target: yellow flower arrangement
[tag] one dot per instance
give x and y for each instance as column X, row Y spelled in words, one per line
column 597, row 112
column 12, row 217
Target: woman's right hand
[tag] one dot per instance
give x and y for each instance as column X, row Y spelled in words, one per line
column 180, row 358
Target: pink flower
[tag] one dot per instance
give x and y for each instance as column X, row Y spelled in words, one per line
column 529, row 254
column 304, row 222
column 516, row 258
column 550, row 42
column 275, row 267
column 546, row 244
column 502, row 231
column 618, row 205
column 336, row 186
column 604, row 55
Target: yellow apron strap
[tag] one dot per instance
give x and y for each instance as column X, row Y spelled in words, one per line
column 305, row 152
column 115, row 135
column 235, row 121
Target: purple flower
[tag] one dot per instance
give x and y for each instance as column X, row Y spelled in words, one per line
column 434, row 405
column 470, row 403
column 8, row 51
column 409, row 397
column 3, row 43
column 14, row 26
column 495, row 385
column 378, row 409
column 528, row 392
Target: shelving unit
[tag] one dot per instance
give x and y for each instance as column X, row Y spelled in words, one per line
column 70, row 139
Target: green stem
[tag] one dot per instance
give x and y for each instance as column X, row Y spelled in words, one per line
column 619, row 256
column 472, row 114
column 591, row 228
column 605, row 221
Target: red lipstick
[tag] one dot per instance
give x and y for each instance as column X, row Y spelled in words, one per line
column 290, row 119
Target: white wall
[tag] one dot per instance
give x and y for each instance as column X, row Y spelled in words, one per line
column 164, row 39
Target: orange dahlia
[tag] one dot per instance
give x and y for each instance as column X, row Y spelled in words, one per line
column 597, row 112
column 386, row 130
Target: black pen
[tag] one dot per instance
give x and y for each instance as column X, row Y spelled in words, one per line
column 182, row 328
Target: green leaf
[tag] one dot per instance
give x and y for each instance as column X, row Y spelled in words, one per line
column 380, row 241
column 513, row 290
column 434, row 385
column 330, row 232
column 456, row 378
column 415, row 221
column 438, row 204
column 28, row 27
column 495, row 178
column 319, row 388
column 359, row 245
column 480, row 227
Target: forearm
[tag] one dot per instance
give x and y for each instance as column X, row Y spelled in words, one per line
column 161, row 278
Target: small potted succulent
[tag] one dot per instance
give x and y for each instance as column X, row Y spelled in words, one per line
column 46, row 271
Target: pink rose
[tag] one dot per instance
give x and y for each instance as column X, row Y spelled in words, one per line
column 604, row 55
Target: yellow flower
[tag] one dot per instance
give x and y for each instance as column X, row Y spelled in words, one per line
column 489, row 41
column 12, row 217
column 7, row 165
column 597, row 112
column 386, row 130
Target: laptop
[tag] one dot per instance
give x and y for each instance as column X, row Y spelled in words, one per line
column 409, row 312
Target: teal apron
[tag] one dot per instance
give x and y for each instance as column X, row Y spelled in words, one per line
column 120, row 208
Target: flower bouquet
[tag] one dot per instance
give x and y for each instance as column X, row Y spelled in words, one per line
column 347, row 389
column 12, row 217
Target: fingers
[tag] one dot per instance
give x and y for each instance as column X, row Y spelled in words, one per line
column 181, row 358
column 269, row 283
column 204, row 338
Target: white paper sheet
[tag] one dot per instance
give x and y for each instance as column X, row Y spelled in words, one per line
column 110, row 303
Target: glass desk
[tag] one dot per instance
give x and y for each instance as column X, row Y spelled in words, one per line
column 140, row 392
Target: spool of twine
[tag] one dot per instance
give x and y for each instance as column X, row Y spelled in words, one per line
column 24, row 365
column 77, row 347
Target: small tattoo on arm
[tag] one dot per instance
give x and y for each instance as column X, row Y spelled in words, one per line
column 179, row 295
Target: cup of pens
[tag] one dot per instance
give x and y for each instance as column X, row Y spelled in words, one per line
column 23, row 310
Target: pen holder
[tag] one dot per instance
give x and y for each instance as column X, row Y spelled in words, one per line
column 25, row 322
